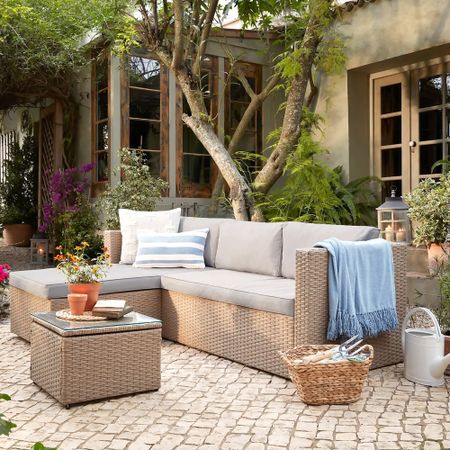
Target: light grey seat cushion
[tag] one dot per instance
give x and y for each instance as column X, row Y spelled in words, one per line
column 250, row 247
column 251, row 290
column 195, row 223
column 50, row 283
column 304, row 235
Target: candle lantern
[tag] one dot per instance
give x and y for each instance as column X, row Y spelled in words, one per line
column 393, row 220
column 39, row 251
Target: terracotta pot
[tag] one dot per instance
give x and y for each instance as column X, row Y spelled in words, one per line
column 436, row 257
column 77, row 303
column 17, row 234
column 446, row 351
column 91, row 289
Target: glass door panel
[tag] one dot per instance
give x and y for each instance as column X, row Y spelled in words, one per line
column 391, row 131
column 430, row 119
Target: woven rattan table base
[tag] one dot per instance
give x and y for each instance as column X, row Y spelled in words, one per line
column 78, row 369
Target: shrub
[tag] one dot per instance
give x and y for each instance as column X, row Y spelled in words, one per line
column 69, row 217
column 429, row 208
column 138, row 189
column 314, row 192
column 18, row 191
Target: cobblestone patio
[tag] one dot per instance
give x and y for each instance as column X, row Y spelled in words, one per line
column 210, row 403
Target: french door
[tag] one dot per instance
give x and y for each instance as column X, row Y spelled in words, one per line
column 411, row 129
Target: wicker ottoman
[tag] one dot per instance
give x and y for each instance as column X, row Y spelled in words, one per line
column 80, row 361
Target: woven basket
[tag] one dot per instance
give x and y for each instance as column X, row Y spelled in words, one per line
column 333, row 383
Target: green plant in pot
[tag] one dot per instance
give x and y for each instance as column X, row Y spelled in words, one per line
column 18, row 193
column 429, row 211
column 442, row 311
column 138, row 189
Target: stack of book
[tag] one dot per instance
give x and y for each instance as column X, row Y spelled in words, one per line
column 111, row 309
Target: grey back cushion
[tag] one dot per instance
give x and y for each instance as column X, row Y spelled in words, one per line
column 304, row 235
column 250, row 247
column 195, row 223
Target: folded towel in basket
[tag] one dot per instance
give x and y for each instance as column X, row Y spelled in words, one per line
column 361, row 288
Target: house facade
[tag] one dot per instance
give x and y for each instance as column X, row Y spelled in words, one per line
column 387, row 114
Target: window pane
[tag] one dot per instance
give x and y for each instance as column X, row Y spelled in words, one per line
column 391, row 98
column 102, row 136
column 237, row 91
column 102, row 166
column 429, row 154
column 197, row 169
column 144, row 72
column 391, row 130
column 430, row 125
column 430, row 91
column 190, row 142
column 102, row 105
column 387, row 186
column 144, row 135
column 391, row 162
column 102, row 75
column 447, row 123
column 144, row 104
column 237, row 111
column 153, row 160
column 447, row 92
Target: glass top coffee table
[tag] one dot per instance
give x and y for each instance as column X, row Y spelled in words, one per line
column 77, row 362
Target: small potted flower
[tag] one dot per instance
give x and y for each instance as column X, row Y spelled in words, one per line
column 83, row 274
column 4, row 282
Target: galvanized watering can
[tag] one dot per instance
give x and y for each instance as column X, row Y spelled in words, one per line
column 423, row 350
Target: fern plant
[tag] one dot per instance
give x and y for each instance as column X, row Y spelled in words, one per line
column 314, row 192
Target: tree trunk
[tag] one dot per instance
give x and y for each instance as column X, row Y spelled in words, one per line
column 291, row 128
column 240, row 194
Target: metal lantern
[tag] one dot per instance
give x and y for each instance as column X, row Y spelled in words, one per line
column 39, row 251
column 393, row 220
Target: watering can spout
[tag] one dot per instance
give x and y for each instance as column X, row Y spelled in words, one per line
column 438, row 366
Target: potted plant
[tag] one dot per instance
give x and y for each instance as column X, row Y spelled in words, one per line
column 138, row 189
column 442, row 311
column 18, row 194
column 83, row 274
column 429, row 205
column 4, row 282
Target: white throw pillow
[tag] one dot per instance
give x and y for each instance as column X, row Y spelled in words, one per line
column 184, row 249
column 131, row 221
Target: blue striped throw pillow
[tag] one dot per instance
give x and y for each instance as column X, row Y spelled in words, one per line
column 171, row 249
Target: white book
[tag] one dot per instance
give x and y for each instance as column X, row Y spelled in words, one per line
column 115, row 304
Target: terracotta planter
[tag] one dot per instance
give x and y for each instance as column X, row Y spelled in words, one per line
column 91, row 289
column 436, row 257
column 18, row 234
column 77, row 303
column 446, row 351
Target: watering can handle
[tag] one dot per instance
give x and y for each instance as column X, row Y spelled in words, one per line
column 438, row 334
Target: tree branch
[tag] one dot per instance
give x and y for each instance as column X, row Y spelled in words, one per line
column 212, row 8
column 243, row 79
column 313, row 92
column 155, row 18
column 178, row 39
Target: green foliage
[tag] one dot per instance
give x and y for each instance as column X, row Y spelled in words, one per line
column 138, row 189
column 429, row 209
column 18, row 191
column 314, row 192
column 5, row 425
column 41, row 44
column 41, row 446
column 72, row 227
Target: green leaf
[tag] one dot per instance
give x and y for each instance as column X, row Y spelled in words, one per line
column 5, row 397
column 6, row 425
column 41, row 446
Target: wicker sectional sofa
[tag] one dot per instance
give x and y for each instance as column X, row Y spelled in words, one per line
column 264, row 289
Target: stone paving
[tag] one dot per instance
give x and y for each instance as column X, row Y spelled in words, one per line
column 206, row 402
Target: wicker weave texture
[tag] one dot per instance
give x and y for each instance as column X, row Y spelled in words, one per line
column 245, row 335
column 23, row 304
column 326, row 383
column 82, row 368
column 311, row 307
column 113, row 242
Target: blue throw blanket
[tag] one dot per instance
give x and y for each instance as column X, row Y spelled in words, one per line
column 361, row 288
